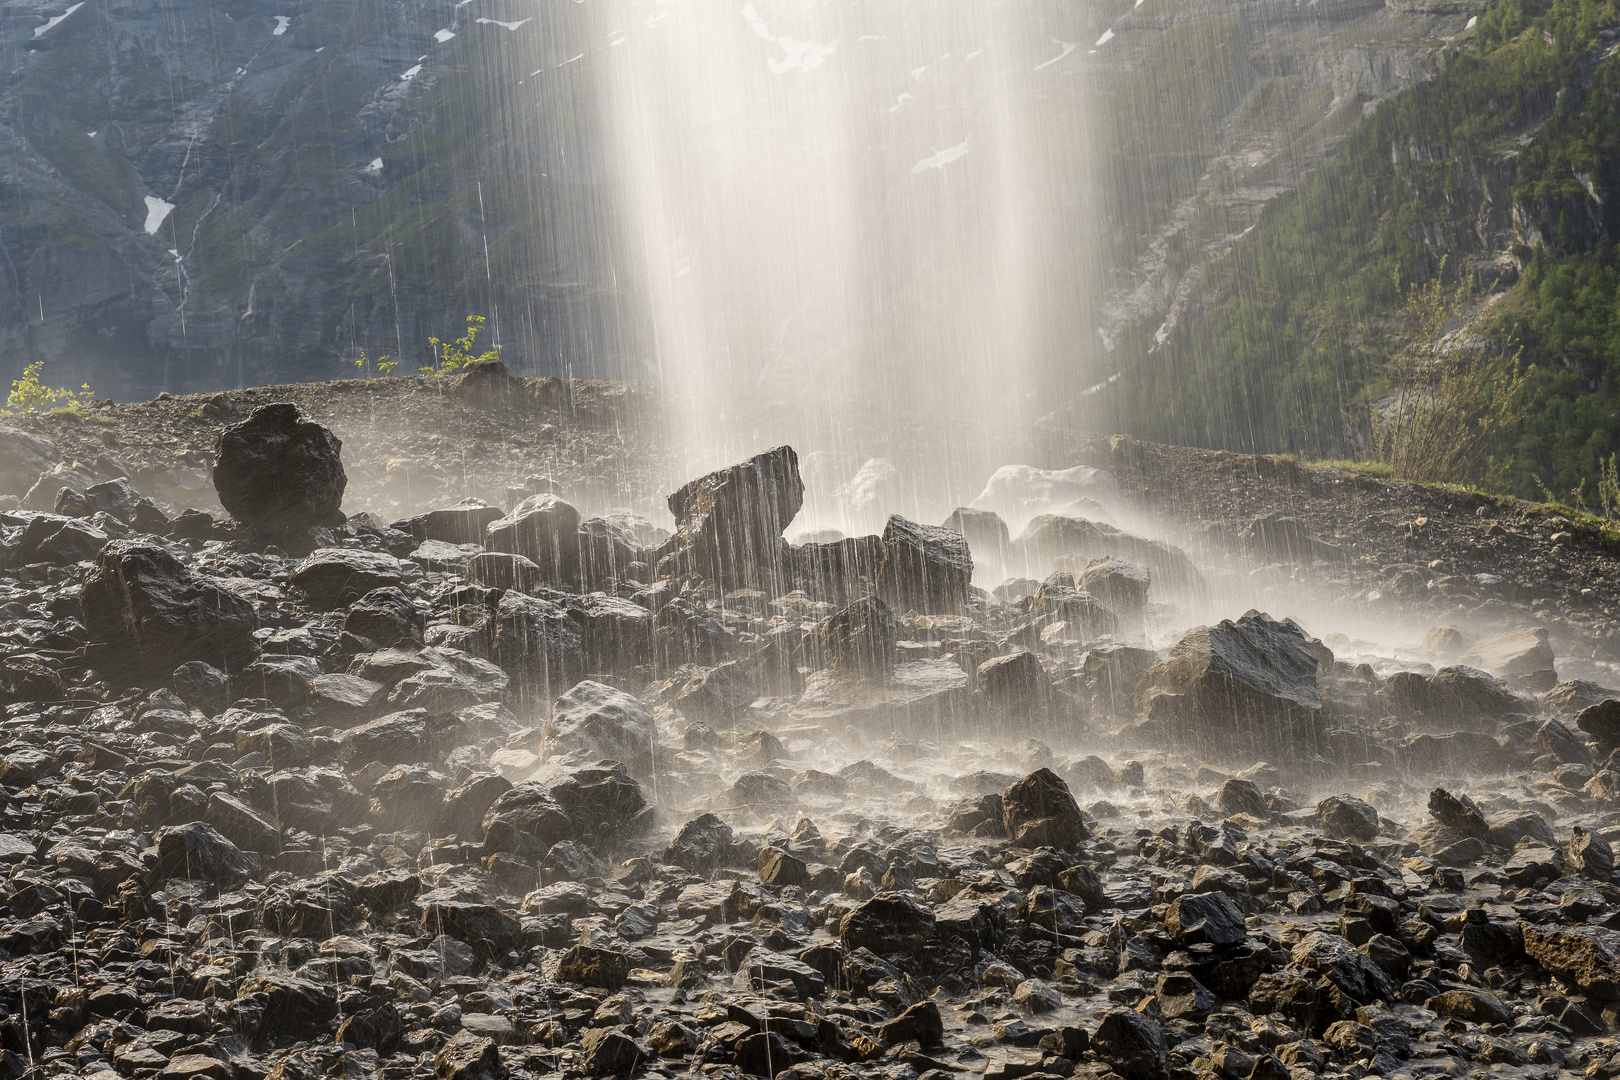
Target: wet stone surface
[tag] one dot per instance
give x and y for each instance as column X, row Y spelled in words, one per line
column 337, row 802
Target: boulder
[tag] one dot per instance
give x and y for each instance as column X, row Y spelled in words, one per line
column 1578, row 955
column 925, row 568
column 1039, row 811
column 503, row 570
column 601, row 722
column 279, row 470
column 887, row 923
column 729, row 523
column 860, row 639
column 1590, row 854
column 22, row 458
column 545, row 530
column 1052, row 542
column 839, row 571
column 152, row 613
column 1205, row 918
column 467, row 522
column 539, row 645
column 986, row 534
column 1085, row 616
column 1121, row 586
column 197, row 850
column 387, row 617
column 1132, row 1043
column 606, row 548
column 333, row 577
column 1014, row 683
column 1456, row 697
column 1237, row 691
column 525, row 820
column 1347, row 818
column 1602, row 722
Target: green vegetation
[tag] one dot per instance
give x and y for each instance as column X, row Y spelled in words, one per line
column 1454, row 400
column 30, row 395
column 454, row 356
column 1300, row 334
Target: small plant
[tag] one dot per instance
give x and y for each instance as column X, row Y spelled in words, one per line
column 382, row 363
column 457, row 355
column 30, row 395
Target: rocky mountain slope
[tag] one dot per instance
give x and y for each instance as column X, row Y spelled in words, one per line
column 496, row 792
column 201, row 196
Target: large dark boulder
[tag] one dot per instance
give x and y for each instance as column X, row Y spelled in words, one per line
column 1039, row 811
column 333, row 577
column 729, row 523
column 925, row 568
column 525, row 820
column 545, row 530
column 280, row 470
column 603, row 722
column 151, row 613
column 1243, row 690
column 1453, row 698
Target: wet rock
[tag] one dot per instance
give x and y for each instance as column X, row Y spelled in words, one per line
column 1457, row 697
column 333, row 577
column 985, row 533
column 610, row 1052
column 469, row 1057
column 887, row 923
column 703, row 845
column 1241, row 797
column 539, row 646
column 377, row 1029
column 1014, row 683
column 279, row 470
column 394, row 739
column 603, row 802
column 1602, row 722
column 526, row 820
column 1458, row 813
column 467, row 522
column 197, row 850
column 545, row 530
column 1470, row 1005
column 592, row 966
column 1590, row 854
column 860, row 639
column 387, row 617
column 153, row 613
column 1121, row 586
column 925, row 568
column 1347, row 817
column 1039, row 811
column 1085, row 618
column 729, row 523
column 600, row 722
column 1241, row 690
column 1201, row 918
column 1577, row 954
column 838, row 572
column 1132, row 1043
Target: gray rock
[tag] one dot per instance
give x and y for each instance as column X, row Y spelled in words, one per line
column 601, row 722
column 729, row 523
column 279, row 470
column 925, row 568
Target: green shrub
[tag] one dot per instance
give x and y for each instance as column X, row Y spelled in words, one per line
column 456, row 355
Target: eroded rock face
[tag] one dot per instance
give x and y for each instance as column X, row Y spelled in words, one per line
column 1237, row 690
column 279, row 470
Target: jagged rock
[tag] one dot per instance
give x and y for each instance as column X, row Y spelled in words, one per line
column 1471, row 1005
column 154, row 613
column 925, row 569
column 1241, row 797
column 526, row 820
column 539, row 645
column 504, row 570
column 729, row 523
column 387, row 617
column 1570, row 698
column 196, row 850
column 279, row 470
column 469, row 1057
column 703, row 845
column 1602, row 722
column 377, row 1029
column 463, row 808
column 1458, row 813
column 605, row 550
column 720, row 695
column 986, row 534
column 1590, row 854
column 545, row 530
column 839, row 571
column 1578, row 955
column 1015, row 682
column 1132, row 1043
column 859, row 639
column 602, row 722
column 1209, row 917
column 610, row 1052
column 1242, row 690
column 394, row 739
column 467, row 522
column 1121, row 586
column 887, row 923
column 1347, row 817
column 1039, row 811
column 333, row 577
column 1085, row 617
column 1451, row 698
column 607, row 968
column 603, row 802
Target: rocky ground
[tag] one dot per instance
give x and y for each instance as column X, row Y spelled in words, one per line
column 494, row 789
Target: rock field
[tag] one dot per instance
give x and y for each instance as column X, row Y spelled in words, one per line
column 501, row 779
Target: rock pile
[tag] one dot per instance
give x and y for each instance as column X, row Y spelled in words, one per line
column 484, row 795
